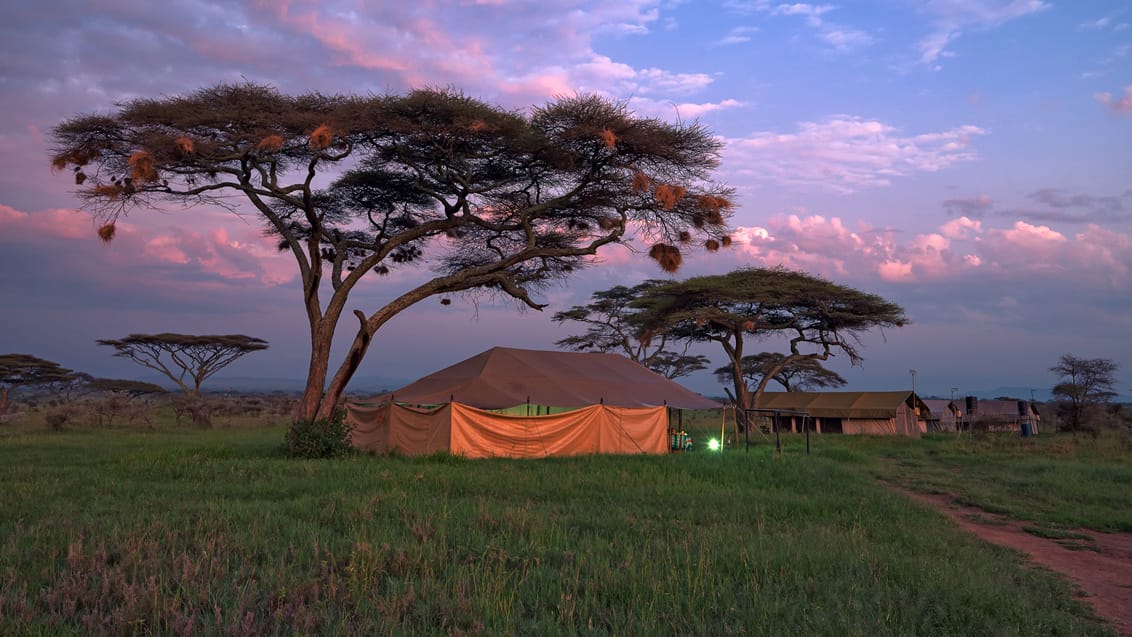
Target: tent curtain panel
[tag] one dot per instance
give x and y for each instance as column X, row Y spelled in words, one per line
column 476, row 433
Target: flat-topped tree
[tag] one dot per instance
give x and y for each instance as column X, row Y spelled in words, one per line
column 25, row 370
column 487, row 198
column 186, row 359
column 123, row 386
column 609, row 328
column 794, row 375
column 817, row 317
column 1084, row 384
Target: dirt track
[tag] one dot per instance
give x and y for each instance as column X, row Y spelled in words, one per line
column 1101, row 566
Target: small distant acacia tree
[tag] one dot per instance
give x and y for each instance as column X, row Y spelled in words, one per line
column 133, row 388
column 24, row 370
column 816, row 316
column 1086, row 384
column 796, row 375
column 186, row 359
column 610, row 328
column 492, row 200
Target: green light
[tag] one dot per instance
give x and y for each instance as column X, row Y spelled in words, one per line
column 713, row 444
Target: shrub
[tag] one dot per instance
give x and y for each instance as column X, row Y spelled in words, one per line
column 56, row 419
column 198, row 409
column 60, row 416
column 318, row 439
column 115, row 408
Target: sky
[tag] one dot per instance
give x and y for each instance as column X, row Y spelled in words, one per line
column 970, row 160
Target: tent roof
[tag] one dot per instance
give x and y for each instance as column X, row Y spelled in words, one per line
column 504, row 377
column 845, row 404
column 998, row 407
column 940, row 406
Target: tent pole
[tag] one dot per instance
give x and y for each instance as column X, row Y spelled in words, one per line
column 777, row 439
column 806, row 426
column 722, row 430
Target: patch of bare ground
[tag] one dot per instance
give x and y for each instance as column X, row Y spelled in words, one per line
column 1099, row 563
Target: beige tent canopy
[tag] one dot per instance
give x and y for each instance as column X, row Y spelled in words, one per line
column 615, row 406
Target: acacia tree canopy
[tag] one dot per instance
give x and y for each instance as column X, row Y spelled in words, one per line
column 488, row 198
column 794, row 375
column 187, row 360
column 25, row 370
column 610, row 328
column 123, row 386
column 1085, row 383
column 817, row 317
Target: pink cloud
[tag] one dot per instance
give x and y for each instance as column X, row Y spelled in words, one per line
column 1120, row 105
column 239, row 254
column 345, row 37
column 166, row 248
column 58, row 223
column 1107, row 252
column 535, row 51
column 845, row 153
column 1028, row 237
column 814, row 244
column 961, row 248
column 961, row 228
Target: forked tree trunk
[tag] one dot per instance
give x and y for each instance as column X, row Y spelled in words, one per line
column 341, row 379
column 320, row 400
column 308, row 409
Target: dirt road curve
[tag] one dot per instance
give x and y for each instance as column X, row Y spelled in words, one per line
column 1104, row 571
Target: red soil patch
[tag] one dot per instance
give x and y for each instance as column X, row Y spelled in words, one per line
column 1101, row 565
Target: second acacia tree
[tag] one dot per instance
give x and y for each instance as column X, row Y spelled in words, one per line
column 610, row 327
column 815, row 317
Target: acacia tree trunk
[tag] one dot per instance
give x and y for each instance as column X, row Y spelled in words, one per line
column 309, row 407
column 337, row 387
column 742, row 396
column 199, row 412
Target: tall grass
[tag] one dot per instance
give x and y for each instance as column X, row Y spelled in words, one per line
column 190, row 532
column 1061, row 480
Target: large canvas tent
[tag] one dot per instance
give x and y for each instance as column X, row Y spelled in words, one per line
column 606, row 403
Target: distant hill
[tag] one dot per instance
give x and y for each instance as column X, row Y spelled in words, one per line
column 1019, row 393
column 249, row 384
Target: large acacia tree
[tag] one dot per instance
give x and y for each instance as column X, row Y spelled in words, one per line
column 816, row 317
column 798, row 374
column 608, row 318
column 487, row 198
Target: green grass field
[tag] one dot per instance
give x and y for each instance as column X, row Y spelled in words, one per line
column 212, row 532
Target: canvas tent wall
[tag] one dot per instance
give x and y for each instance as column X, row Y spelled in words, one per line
column 1003, row 414
column 944, row 414
column 617, row 406
column 895, row 413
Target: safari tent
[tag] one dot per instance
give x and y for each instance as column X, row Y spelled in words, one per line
column 851, row 412
column 526, row 403
column 945, row 415
column 1002, row 414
